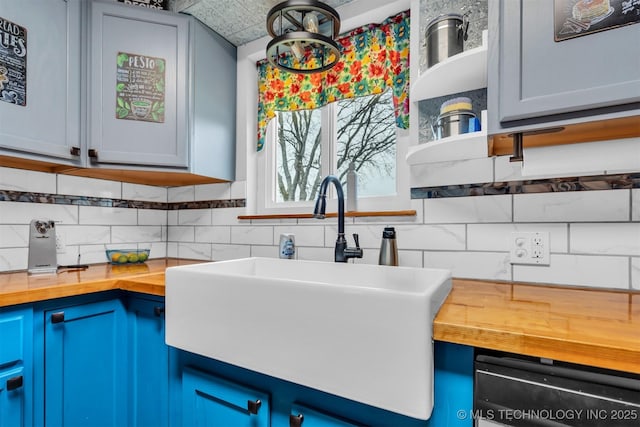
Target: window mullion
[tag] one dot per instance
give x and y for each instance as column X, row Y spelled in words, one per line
column 327, row 141
column 271, row 178
column 325, row 135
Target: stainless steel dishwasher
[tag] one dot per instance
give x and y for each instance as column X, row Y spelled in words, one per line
column 511, row 390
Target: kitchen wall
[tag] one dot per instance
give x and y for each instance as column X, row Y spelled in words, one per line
column 594, row 235
column 91, row 214
column 466, row 211
column 594, row 232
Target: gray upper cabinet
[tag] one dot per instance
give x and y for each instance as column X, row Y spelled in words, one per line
column 112, row 87
column 138, row 85
column 536, row 80
column 47, row 125
column 213, row 104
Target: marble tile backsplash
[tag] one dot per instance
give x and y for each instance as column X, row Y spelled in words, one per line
column 87, row 214
column 594, row 235
column 593, row 239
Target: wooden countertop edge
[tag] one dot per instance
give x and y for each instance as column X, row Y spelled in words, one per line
column 152, row 284
column 56, row 291
column 590, row 354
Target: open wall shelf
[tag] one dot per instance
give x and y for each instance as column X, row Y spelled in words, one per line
column 466, row 146
column 459, row 73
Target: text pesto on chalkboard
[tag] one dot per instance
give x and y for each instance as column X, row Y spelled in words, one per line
column 13, row 63
column 140, row 87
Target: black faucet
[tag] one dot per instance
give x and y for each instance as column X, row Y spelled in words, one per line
column 342, row 252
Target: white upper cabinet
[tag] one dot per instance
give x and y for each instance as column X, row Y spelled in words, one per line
column 43, row 121
column 138, row 87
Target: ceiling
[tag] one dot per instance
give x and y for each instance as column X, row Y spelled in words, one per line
column 239, row 21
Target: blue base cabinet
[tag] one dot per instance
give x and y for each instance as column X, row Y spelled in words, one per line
column 148, row 363
column 101, row 360
column 204, row 393
column 85, row 382
column 208, row 400
column 16, row 370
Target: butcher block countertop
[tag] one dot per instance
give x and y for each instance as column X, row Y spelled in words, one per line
column 20, row 287
column 586, row 326
column 592, row 327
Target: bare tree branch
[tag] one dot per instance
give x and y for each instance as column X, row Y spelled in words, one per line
column 366, row 137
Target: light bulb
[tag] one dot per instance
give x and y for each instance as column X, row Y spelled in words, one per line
column 298, row 50
column 310, row 22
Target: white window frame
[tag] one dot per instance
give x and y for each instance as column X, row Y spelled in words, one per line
column 260, row 166
column 267, row 187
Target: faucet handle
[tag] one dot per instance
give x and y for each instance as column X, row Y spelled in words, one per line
column 354, row 252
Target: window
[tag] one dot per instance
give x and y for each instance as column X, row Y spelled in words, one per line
column 306, row 145
column 332, row 120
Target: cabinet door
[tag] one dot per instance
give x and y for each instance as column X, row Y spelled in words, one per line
column 13, row 325
column 49, row 121
column 148, row 364
column 539, row 76
column 16, row 369
column 209, row 400
column 302, row 416
column 12, row 398
column 138, row 83
column 85, row 365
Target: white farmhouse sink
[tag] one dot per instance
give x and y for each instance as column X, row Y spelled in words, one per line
column 363, row 332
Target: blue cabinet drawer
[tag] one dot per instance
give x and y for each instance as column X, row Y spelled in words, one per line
column 211, row 400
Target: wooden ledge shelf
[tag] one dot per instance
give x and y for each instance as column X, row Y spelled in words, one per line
column 134, row 176
column 330, row 215
column 602, row 130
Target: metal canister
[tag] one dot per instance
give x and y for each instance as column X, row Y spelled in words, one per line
column 453, row 123
column 445, row 36
column 287, row 246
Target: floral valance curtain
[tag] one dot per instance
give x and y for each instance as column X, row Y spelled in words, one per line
column 373, row 58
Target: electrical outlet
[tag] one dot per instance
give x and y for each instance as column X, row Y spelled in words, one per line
column 529, row 247
column 61, row 248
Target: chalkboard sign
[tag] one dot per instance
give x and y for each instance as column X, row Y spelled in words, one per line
column 140, row 87
column 13, row 63
column 151, row 4
column 575, row 18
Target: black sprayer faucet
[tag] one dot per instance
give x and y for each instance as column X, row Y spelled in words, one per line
column 342, row 252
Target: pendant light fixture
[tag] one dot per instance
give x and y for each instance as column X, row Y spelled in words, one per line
column 304, row 33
